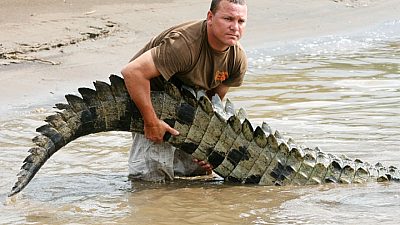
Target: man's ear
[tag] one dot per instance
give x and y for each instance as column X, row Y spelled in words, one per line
column 210, row 17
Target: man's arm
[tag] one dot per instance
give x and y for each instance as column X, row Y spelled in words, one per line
column 221, row 90
column 137, row 75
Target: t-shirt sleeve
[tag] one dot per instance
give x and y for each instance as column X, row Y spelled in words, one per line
column 239, row 70
column 172, row 55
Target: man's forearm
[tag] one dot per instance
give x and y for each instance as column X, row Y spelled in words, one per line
column 139, row 91
column 137, row 75
column 221, row 90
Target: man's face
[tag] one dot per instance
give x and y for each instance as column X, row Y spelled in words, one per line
column 227, row 25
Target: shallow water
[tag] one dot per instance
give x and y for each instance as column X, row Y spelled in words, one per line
column 341, row 94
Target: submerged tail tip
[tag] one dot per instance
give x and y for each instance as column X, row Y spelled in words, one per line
column 12, row 193
column 15, row 190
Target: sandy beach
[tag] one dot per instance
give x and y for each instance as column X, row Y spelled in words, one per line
column 50, row 48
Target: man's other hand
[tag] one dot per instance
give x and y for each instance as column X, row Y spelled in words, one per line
column 206, row 166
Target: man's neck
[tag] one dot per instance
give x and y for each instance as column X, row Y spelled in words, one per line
column 214, row 43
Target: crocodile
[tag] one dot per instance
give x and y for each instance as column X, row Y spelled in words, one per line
column 209, row 130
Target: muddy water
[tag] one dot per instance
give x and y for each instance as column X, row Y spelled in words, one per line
column 341, row 94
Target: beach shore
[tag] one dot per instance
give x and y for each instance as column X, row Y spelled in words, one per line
column 50, row 48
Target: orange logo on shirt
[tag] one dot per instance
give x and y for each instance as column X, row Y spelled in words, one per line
column 221, row 76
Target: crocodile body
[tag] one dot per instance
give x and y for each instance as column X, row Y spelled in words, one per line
column 208, row 130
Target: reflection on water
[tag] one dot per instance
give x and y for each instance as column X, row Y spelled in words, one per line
column 355, row 204
column 345, row 103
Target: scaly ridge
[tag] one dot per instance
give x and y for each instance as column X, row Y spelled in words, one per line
column 231, row 132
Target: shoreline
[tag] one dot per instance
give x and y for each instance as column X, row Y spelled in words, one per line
column 88, row 41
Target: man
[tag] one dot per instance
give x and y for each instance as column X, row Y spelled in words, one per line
column 204, row 55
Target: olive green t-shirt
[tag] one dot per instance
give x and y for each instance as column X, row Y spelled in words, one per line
column 183, row 52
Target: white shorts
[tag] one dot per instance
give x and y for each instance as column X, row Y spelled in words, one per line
column 149, row 161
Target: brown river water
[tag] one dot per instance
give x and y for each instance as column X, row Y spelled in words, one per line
column 341, row 94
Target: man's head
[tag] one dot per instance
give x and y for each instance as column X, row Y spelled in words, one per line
column 226, row 21
column 215, row 4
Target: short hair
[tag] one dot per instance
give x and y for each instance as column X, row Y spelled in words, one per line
column 215, row 3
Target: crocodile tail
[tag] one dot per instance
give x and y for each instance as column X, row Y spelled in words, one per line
column 223, row 137
column 208, row 130
column 106, row 108
column 262, row 157
column 270, row 159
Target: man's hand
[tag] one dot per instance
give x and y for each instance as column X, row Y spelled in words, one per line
column 157, row 131
column 206, row 166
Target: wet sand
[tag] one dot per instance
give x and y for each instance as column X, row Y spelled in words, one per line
column 50, row 48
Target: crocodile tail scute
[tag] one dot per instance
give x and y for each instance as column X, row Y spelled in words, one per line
column 106, row 108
